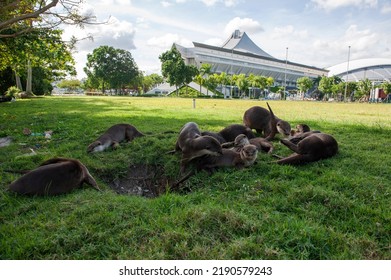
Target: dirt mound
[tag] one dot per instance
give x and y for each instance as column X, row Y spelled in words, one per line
column 143, row 180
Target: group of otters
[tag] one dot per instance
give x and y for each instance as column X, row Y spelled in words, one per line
column 234, row 146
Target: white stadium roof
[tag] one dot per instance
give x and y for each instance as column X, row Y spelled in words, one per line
column 374, row 69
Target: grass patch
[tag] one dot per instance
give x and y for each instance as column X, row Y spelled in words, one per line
column 337, row 208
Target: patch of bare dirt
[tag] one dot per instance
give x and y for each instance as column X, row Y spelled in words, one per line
column 142, row 180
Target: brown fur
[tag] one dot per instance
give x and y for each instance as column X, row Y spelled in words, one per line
column 311, row 147
column 53, row 177
column 300, row 128
column 230, row 132
column 241, row 140
column 193, row 145
column 113, row 136
column 265, row 122
column 230, row 158
column 215, row 135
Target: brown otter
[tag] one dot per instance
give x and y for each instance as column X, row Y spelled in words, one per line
column 230, row 132
column 53, row 177
column 113, row 136
column 264, row 121
column 302, row 131
column 229, row 158
column 215, row 135
column 300, row 128
column 310, row 147
column 193, row 145
column 241, row 140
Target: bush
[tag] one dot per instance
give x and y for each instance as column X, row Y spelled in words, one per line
column 12, row 92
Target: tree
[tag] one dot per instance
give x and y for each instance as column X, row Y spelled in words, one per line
column 304, row 84
column 30, row 36
column 70, row 85
column 151, row 81
column 224, row 79
column 38, row 48
column 18, row 17
column 111, row 68
column 174, row 68
column 190, row 72
column 386, row 86
column 326, row 84
column 364, row 88
column 199, row 80
column 205, row 71
column 242, row 83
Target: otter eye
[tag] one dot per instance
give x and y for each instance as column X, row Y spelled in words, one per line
column 278, row 124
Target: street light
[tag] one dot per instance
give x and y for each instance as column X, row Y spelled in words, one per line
column 347, row 76
column 286, row 66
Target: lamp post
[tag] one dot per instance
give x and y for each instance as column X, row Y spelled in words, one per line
column 232, row 61
column 347, row 76
column 286, row 66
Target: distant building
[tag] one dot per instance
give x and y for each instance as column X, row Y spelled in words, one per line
column 239, row 54
column 376, row 70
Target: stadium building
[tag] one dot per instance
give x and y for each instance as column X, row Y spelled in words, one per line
column 377, row 70
column 239, row 54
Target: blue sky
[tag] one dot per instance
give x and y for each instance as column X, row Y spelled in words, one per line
column 316, row 32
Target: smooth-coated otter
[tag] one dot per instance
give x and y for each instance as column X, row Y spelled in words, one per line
column 113, row 136
column 53, row 177
column 300, row 128
column 241, row 140
column 230, row 132
column 193, row 145
column 311, row 147
column 264, row 121
column 215, row 135
column 229, row 158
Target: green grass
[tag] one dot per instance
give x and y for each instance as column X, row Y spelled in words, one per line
column 337, row 208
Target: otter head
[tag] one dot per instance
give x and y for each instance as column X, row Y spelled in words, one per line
column 241, row 140
column 301, row 128
column 95, row 147
column 284, row 128
column 210, row 145
column 249, row 153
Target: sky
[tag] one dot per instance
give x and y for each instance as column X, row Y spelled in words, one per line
column 312, row 32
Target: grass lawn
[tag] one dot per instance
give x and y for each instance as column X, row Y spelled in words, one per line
column 337, row 208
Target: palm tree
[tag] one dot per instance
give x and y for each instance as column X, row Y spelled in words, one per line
column 205, row 71
column 224, row 80
column 242, row 83
column 199, row 79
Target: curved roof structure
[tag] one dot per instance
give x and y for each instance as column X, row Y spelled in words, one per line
column 239, row 41
column 240, row 55
column 374, row 69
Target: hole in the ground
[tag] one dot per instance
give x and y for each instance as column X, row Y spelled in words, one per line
column 142, row 180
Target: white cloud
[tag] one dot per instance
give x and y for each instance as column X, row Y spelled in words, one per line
column 386, row 9
column 209, row 2
column 214, row 42
column 289, row 31
column 118, row 34
column 360, row 41
column 231, row 3
column 243, row 24
column 166, row 4
column 166, row 41
column 330, row 5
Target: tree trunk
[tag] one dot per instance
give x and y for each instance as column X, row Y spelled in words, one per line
column 29, row 90
column 18, row 82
